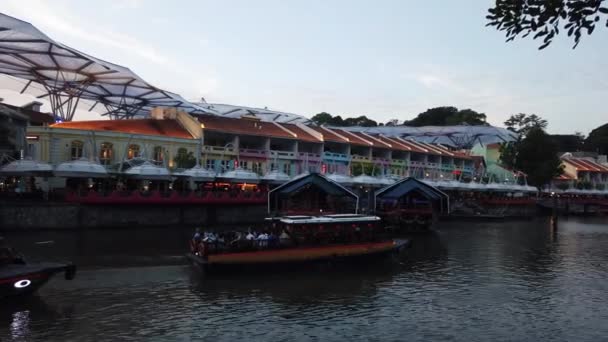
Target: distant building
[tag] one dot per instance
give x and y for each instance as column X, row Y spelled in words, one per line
column 583, row 172
column 224, row 144
column 14, row 121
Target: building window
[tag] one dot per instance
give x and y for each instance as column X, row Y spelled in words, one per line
column 210, row 164
column 287, row 168
column 76, row 149
column 106, row 153
column 133, row 151
column 243, row 164
column 256, row 167
column 158, row 154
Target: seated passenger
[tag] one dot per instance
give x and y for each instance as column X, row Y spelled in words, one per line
column 284, row 238
column 263, row 240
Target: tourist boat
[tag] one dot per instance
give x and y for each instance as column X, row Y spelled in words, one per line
column 312, row 239
column 19, row 278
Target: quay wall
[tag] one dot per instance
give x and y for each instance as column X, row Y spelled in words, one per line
column 49, row 215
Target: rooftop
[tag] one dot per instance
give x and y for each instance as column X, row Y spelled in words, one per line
column 582, row 164
column 168, row 128
column 245, row 127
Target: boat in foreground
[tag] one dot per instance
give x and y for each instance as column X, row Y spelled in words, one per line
column 297, row 240
column 20, row 278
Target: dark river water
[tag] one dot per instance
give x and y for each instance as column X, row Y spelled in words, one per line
column 499, row 281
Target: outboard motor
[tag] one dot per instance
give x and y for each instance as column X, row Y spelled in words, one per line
column 70, row 272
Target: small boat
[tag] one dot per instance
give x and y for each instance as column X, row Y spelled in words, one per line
column 311, row 239
column 19, row 278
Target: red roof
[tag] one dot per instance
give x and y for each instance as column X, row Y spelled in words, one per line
column 167, row 128
column 414, row 146
column 244, row 127
column 329, row 135
column 585, row 165
column 302, row 134
column 564, row 176
column 356, row 138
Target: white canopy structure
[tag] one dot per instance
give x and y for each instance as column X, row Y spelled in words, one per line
column 367, row 180
column 148, row 171
column 341, row 179
column 240, row 175
column 263, row 114
column 26, row 167
column 66, row 76
column 80, row 168
column 197, row 174
column 276, row 177
column 455, row 136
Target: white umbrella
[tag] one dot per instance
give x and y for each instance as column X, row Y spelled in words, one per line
column 276, row 177
column 342, row 179
column 367, row 180
column 197, row 174
column 148, row 171
column 240, row 176
column 26, row 167
column 81, row 168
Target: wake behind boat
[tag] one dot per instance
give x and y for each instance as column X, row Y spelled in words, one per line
column 295, row 240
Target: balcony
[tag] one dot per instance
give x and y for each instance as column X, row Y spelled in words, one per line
column 381, row 161
column 249, row 152
column 282, row 154
column 335, row 156
column 219, row 150
column 356, row 157
column 314, row 157
column 399, row 162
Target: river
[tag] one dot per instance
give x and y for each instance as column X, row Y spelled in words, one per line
column 500, row 281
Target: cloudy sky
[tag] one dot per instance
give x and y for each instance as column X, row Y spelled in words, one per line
column 383, row 59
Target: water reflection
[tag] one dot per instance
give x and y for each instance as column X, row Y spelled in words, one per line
column 469, row 281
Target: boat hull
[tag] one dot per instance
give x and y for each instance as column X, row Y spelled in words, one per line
column 21, row 280
column 289, row 258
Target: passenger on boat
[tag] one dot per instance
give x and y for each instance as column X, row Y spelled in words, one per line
column 285, row 239
column 262, row 240
column 250, row 236
column 8, row 255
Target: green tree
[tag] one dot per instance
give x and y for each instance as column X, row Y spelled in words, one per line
column 568, row 142
column 446, row 116
column 522, row 123
column 597, row 141
column 536, row 155
column 392, row 122
column 543, row 19
column 184, row 159
column 362, row 121
column 322, row 118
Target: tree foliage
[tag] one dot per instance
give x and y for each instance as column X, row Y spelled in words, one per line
column 534, row 152
column 522, row 123
column 568, row 142
column 327, row 119
column 184, row 159
column 597, row 141
column 447, row 116
column 543, row 19
column 537, row 157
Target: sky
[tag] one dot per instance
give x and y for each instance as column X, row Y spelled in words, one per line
column 384, row 59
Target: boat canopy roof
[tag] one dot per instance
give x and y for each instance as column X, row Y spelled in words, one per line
column 408, row 185
column 329, row 186
column 319, row 181
column 344, row 218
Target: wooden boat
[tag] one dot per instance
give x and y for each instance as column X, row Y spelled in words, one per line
column 330, row 238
